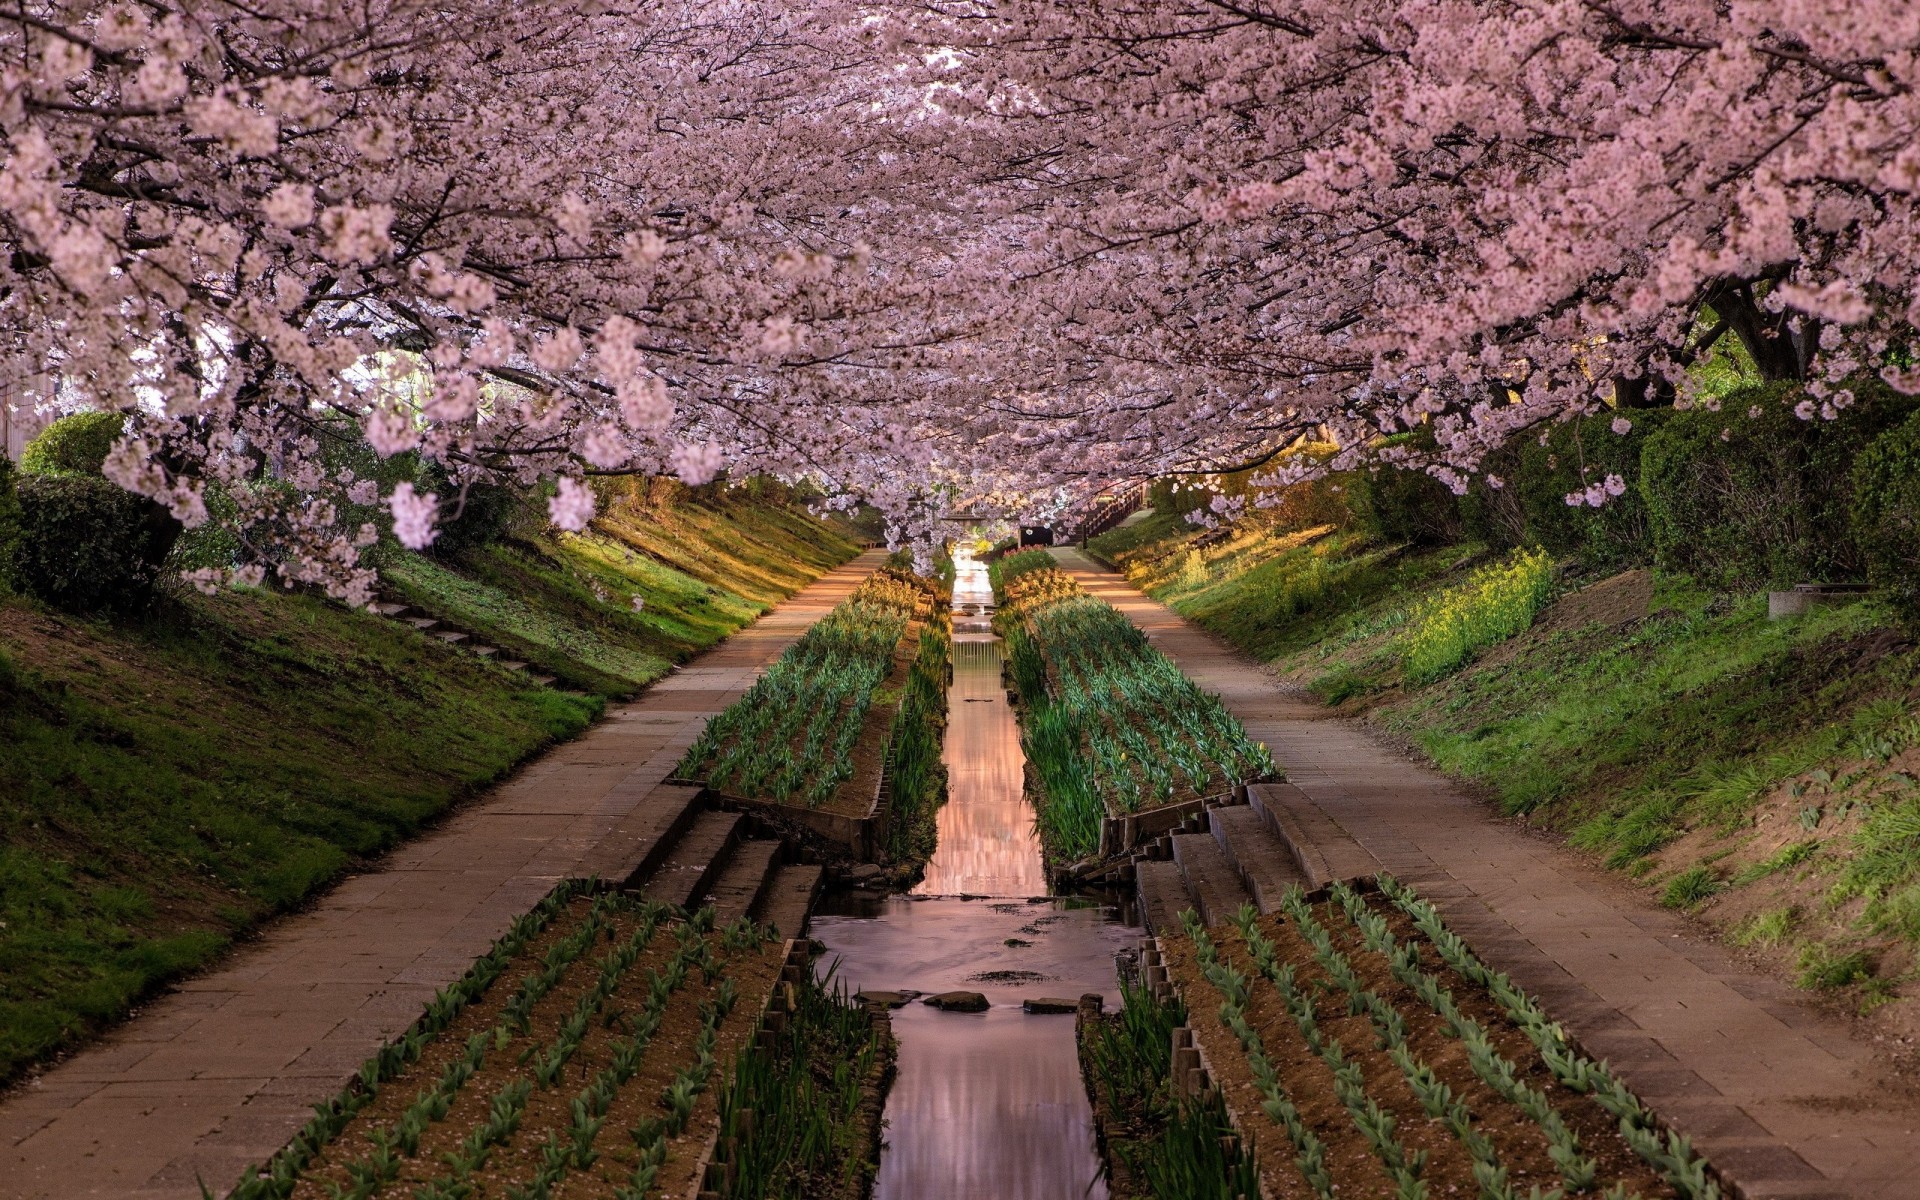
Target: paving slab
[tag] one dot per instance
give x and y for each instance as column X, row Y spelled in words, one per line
column 1264, row 863
column 1211, row 880
column 1694, row 1031
column 226, row 1066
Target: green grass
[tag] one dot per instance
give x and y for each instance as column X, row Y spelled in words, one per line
column 165, row 787
column 564, row 603
column 168, row 784
column 1768, row 928
column 1625, row 739
column 1691, row 888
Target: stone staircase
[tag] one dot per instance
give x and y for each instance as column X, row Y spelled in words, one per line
column 1221, row 858
column 445, row 631
column 678, row 849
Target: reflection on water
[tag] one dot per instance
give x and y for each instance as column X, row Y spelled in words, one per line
column 987, row 842
column 986, row 1105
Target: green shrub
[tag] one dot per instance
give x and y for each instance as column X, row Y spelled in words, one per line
column 9, row 513
column 491, row 513
column 1579, row 455
column 87, row 544
column 1886, row 513
column 1404, row 506
column 73, row 445
column 1492, row 515
column 1753, row 496
column 1496, row 603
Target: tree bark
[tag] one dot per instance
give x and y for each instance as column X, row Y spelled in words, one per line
column 1778, row 352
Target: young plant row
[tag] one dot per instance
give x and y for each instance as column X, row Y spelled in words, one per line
column 1157, row 1144
column 791, row 738
column 277, row 1178
column 527, row 1082
column 1672, row 1156
column 1424, row 1068
column 804, row 1112
column 1110, row 724
column 917, row 778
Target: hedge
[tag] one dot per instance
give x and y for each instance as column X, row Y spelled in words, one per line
column 86, row 544
column 1398, row 505
column 1753, row 496
column 73, row 445
column 1885, row 483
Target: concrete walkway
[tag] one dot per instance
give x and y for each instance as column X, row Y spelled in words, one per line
column 218, row 1074
column 1783, row 1099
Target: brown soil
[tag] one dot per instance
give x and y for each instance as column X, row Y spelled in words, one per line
column 1826, row 809
column 548, row 1110
column 1355, row 1168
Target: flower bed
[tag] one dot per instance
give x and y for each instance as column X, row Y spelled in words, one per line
column 802, row 1117
column 1154, row 1142
column 574, row 1059
column 1110, row 725
column 841, row 735
column 1369, row 1053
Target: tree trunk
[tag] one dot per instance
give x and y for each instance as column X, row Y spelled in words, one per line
column 1779, row 353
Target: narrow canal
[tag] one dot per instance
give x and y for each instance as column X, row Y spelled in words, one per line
column 990, row 1103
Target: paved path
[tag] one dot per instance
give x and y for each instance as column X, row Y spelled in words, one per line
column 1785, row 1100
column 218, row 1074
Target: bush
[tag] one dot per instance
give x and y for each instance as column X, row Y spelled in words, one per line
column 1404, row 506
column 73, row 445
column 1580, row 455
column 87, row 544
column 1492, row 515
column 1886, row 513
column 491, row 513
column 9, row 511
column 1499, row 601
column 1760, row 500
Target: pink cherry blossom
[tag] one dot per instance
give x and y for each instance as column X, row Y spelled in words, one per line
column 697, row 463
column 571, row 506
column 413, row 516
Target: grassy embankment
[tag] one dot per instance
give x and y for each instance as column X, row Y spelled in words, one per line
column 1761, row 774
column 168, row 783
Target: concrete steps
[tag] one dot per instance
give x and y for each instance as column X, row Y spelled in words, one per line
column 789, row 897
column 1211, row 881
column 434, row 628
column 1322, row 851
column 1235, row 855
column 1162, row 892
column 639, row 842
column 743, row 878
column 695, row 859
column 1262, row 861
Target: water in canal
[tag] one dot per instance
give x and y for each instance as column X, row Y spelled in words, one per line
column 985, row 1104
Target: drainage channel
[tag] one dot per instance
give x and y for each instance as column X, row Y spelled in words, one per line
column 987, row 1103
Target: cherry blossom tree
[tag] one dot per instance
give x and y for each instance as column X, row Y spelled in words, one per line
column 928, row 248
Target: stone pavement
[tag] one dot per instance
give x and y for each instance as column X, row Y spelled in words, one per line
column 216, row 1075
column 1783, row 1099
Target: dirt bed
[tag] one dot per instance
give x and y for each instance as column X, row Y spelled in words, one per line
column 612, row 959
column 1355, row 1163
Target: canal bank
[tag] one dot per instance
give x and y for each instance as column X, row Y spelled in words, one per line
column 986, row 1103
